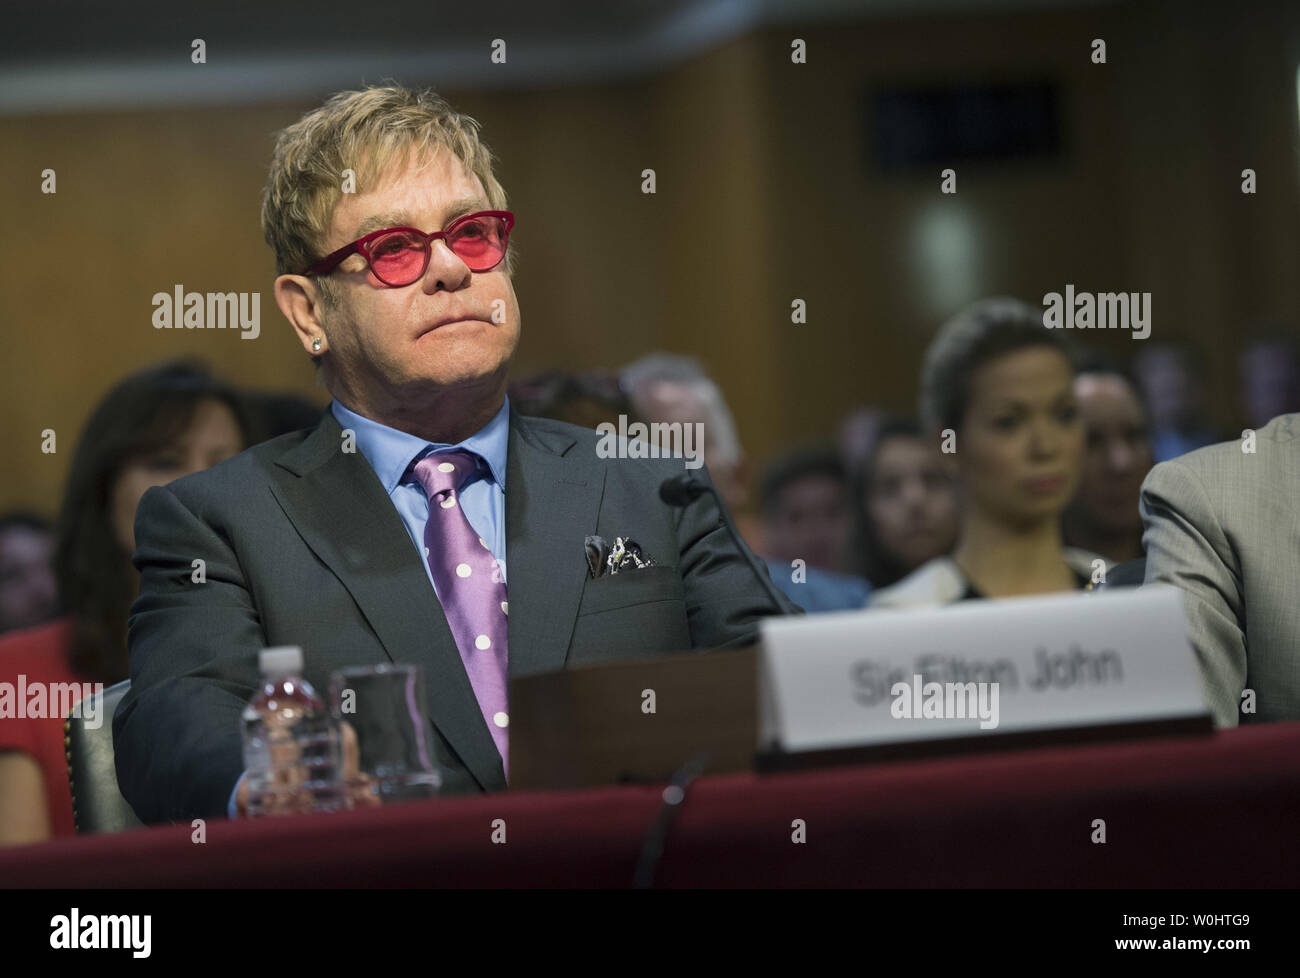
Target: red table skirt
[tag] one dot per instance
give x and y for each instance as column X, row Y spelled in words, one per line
column 1210, row 811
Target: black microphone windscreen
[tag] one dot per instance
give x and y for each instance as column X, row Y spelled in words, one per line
column 680, row 489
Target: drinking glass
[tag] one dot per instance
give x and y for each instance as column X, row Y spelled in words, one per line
column 385, row 705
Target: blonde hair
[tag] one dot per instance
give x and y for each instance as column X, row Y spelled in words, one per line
column 368, row 132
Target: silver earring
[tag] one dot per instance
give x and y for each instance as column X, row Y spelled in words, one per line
column 315, row 344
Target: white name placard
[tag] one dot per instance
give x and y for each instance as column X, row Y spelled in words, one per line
column 860, row 678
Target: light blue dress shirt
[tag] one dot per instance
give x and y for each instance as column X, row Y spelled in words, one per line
column 392, row 454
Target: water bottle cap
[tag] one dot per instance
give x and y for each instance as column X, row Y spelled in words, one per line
column 282, row 660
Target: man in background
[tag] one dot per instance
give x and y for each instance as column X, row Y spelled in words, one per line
column 1269, row 371
column 1173, row 386
column 673, row 389
column 667, row 388
column 808, row 528
column 1103, row 517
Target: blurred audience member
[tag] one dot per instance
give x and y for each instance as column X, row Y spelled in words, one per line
column 156, row 426
column 667, row 388
column 1173, row 386
column 804, row 505
column 905, row 498
column 1223, row 525
column 1000, row 387
column 858, row 432
column 278, row 414
column 586, row 399
column 1103, row 516
column 27, row 590
column 1269, row 371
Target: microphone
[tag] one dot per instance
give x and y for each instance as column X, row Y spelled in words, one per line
column 681, row 490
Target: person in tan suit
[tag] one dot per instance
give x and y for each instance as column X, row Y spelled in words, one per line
column 1223, row 524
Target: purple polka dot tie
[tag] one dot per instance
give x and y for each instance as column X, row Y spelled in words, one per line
column 470, row 586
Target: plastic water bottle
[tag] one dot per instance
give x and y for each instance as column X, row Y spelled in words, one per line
column 292, row 746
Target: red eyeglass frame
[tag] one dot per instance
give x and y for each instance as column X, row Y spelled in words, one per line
column 362, row 246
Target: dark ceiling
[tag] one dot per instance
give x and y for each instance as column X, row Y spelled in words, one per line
column 73, row 55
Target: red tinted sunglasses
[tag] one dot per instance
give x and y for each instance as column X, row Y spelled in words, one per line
column 400, row 256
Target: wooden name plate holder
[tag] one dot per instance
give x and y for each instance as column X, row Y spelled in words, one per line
column 833, row 689
column 634, row 722
column 584, row 727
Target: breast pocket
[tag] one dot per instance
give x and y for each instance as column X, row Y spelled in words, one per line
column 631, row 587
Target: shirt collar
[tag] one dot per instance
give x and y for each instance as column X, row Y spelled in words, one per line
column 390, row 452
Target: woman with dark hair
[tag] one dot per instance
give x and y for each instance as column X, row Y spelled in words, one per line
column 156, row 426
column 905, row 503
column 997, row 386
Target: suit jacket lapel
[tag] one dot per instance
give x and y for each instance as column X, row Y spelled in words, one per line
column 552, row 503
column 336, row 502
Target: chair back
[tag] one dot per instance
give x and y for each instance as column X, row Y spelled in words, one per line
column 97, row 804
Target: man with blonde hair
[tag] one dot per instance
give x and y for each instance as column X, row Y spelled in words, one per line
column 384, row 534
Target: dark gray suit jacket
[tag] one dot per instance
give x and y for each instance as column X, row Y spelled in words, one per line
column 302, row 546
